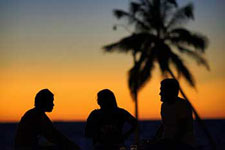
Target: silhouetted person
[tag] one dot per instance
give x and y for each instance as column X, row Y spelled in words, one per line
column 35, row 125
column 176, row 130
column 105, row 125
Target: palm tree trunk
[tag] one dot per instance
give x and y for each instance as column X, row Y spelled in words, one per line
column 137, row 135
column 199, row 120
column 135, row 94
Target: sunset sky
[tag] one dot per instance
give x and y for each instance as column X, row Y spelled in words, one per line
column 57, row 44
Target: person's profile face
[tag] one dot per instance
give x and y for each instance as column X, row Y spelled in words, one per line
column 165, row 93
column 162, row 93
column 49, row 104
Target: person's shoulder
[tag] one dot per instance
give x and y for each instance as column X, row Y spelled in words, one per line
column 31, row 112
column 179, row 98
column 31, row 115
column 35, row 111
column 183, row 103
column 125, row 115
column 95, row 112
column 123, row 111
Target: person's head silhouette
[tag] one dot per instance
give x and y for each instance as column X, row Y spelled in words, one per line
column 44, row 100
column 106, row 99
column 169, row 90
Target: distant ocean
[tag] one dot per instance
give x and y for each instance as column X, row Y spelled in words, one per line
column 75, row 131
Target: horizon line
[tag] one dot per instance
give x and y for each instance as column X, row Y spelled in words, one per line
column 58, row 121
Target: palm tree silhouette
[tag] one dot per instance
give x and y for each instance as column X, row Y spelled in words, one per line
column 159, row 37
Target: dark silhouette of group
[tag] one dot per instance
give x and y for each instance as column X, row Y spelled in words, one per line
column 105, row 126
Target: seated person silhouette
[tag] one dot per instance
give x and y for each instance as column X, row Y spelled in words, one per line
column 176, row 130
column 35, row 125
column 105, row 125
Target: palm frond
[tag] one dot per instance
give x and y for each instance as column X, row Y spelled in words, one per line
column 131, row 18
column 140, row 73
column 134, row 42
column 120, row 13
column 134, row 79
column 172, row 2
column 167, row 8
column 195, row 55
column 162, row 55
column 146, row 3
column 182, row 69
column 182, row 36
column 134, row 7
column 146, row 69
column 181, row 16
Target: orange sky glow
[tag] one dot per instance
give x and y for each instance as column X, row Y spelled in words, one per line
column 42, row 46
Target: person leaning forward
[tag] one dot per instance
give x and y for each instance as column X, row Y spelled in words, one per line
column 35, row 126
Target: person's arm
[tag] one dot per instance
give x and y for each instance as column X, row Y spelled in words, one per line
column 132, row 121
column 56, row 137
column 158, row 134
column 185, row 120
column 65, row 142
column 90, row 128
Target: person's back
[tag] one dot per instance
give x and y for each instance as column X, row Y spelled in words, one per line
column 105, row 125
column 178, row 122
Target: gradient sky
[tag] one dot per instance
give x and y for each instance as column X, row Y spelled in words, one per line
column 57, row 44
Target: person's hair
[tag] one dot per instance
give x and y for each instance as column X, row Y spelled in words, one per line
column 42, row 96
column 171, row 84
column 106, row 99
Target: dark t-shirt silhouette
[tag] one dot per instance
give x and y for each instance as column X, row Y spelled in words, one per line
column 105, row 127
column 177, row 122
